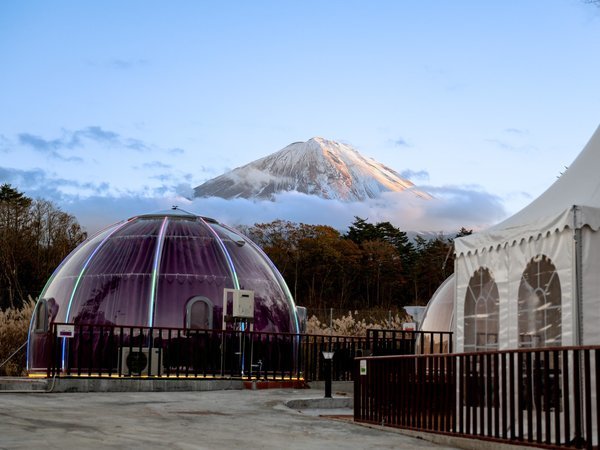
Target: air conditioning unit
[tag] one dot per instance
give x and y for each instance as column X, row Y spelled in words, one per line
column 135, row 361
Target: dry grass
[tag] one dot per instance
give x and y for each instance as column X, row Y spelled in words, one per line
column 14, row 325
column 351, row 325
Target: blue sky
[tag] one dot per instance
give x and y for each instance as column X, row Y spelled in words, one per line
column 114, row 108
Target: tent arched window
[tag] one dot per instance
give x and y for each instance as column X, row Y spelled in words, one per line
column 481, row 312
column 539, row 305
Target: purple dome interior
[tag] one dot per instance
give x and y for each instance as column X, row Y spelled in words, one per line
column 146, row 270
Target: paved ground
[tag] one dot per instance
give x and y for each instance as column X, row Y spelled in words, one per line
column 182, row 420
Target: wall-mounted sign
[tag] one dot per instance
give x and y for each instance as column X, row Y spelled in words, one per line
column 363, row 366
column 65, row 331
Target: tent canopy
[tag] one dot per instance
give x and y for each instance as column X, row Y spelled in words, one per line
column 532, row 280
column 572, row 201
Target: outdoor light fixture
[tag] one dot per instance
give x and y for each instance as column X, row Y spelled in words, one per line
column 328, row 356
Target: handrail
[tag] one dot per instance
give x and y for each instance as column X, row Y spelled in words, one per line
column 542, row 397
column 492, row 352
column 283, row 333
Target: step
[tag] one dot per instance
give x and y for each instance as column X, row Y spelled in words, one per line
column 23, row 384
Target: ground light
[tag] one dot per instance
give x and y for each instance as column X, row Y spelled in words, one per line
column 328, row 356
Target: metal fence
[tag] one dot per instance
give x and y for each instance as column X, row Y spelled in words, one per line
column 409, row 342
column 119, row 351
column 546, row 397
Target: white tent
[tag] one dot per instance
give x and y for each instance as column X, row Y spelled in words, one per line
column 534, row 279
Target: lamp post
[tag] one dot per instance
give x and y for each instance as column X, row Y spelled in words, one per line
column 328, row 357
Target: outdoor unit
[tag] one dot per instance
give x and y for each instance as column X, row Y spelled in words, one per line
column 135, row 361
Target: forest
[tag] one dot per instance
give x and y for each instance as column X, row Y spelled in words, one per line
column 369, row 266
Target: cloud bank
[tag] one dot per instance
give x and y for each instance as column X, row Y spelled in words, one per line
column 37, row 183
column 451, row 209
column 95, row 205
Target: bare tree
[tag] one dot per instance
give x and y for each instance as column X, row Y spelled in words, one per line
column 35, row 236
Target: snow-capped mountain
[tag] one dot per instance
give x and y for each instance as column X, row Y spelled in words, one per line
column 319, row 167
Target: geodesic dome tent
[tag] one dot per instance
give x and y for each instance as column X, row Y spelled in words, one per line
column 534, row 279
column 168, row 269
column 439, row 315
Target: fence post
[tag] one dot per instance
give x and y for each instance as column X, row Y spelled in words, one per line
column 51, row 355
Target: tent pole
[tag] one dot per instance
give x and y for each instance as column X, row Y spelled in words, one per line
column 578, row 235
column 578, row 316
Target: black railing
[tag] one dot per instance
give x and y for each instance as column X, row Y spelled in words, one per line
column 541, row 397
column 120, row 351
column 107, row 351
column 408, row 342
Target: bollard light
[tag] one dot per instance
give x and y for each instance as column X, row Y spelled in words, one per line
column 328, row 357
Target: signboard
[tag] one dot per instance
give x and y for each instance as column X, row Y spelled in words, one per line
column 409, row 326
column 363, row 366
column 65, row 331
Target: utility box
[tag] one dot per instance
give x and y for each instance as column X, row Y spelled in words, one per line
column 243, row 304
column 135, row 361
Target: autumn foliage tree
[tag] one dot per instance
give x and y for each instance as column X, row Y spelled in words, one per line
column 369, row 266
column 35, row 236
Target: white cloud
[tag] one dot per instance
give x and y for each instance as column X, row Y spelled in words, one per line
column 253, row 177
column 452, row 208
column 414, row 175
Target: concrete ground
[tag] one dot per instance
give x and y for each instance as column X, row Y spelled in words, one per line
column 240, row 419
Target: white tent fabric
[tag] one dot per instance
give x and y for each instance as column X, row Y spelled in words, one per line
column 538, row 272
column 551, row 211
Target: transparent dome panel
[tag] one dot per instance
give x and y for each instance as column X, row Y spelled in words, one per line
column 60, row 285
column 192, row 265
column 115, row 288
column 275, row 310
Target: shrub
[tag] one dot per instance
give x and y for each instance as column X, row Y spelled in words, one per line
column 14, row 326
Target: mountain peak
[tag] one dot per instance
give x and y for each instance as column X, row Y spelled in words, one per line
column 320, row 141
column 319, row 166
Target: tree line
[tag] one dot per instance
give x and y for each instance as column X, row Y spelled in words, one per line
column 371, row 265
column 35, row 236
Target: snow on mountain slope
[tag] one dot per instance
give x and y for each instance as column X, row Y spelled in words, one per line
column 319, row 167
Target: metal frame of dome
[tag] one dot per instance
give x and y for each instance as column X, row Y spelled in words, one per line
column 440, row 308
column 144, row 270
